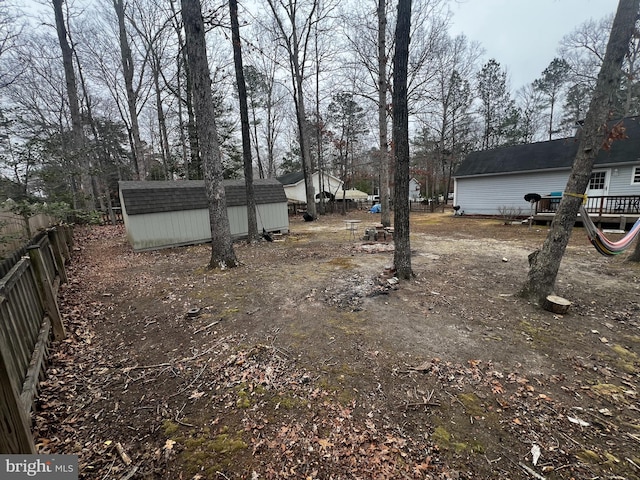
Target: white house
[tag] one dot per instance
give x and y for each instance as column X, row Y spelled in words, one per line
column 295, row 190
column 488, row 181
column 414, row 189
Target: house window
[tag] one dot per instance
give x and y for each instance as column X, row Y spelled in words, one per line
column 597, row 181
column 636, row 175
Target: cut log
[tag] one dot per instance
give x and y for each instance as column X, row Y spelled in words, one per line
column 556, row 304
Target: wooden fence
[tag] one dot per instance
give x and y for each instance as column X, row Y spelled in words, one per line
column 29, row 320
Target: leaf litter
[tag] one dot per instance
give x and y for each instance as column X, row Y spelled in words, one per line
column 250, row 388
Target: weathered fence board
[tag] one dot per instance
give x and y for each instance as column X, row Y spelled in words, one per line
column 29, row 318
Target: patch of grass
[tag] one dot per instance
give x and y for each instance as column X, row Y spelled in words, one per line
column 445, row 440
column 626, row 359
column 472, row 404
column 588, row 456
column 287, row 402
column 344, row 263
column 614, row 392
column 206, row 454
column 535, row 333
column 170, row 427
column 350, row 323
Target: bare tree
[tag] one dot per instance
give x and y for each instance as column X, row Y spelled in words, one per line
column 295, row 24
column 402, row 252
column 372, row 44
column 252, row 223
column 10, row 31
column 82, row 191
column 383, row 137
column 222, row 253
column 545, row 262
column 132, row 93
column 151, row 23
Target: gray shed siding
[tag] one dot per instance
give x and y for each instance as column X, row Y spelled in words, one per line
column 485, row 195
column 170, row 214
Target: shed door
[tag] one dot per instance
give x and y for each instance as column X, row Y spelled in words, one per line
column 598, row 187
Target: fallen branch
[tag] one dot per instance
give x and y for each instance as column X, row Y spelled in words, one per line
column 123, row 455
column 531, row 472
column 207, row 327
column 421, row 404
column 633, row 463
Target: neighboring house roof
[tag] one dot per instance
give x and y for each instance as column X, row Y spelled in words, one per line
column 551, row 155
column 291, row 178
column 168, row 196
column 297, row 177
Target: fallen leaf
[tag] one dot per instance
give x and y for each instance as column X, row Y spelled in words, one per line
column 535, row 454
column 325, row 443
column 577, row 421
column 196, row 394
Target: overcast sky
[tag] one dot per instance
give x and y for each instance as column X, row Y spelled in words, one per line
column 523, row 35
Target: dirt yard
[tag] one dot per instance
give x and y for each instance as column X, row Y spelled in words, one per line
column 306, row 363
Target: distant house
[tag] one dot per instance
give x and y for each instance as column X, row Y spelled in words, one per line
column 490, row 180
column 295, row 190
column 169, row 214
column 414, row 189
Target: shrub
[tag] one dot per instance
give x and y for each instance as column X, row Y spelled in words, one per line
column 509, row 214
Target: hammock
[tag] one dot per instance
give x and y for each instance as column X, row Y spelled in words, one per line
column 602, row 244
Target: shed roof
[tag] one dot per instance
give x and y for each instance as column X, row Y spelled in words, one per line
column 551, row 155
column 170, row 196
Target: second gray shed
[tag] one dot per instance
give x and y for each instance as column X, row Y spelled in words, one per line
column 161, row 214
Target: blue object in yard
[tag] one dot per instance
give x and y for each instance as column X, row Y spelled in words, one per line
column 554, row 202
column 375, row 208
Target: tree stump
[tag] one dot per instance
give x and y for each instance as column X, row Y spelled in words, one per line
column 556, row 304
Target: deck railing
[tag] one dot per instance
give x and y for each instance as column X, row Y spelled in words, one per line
column 596, row 205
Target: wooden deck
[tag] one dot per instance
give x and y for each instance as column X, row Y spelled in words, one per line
column 621, row 211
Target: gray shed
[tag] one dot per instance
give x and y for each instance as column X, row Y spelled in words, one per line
column 173, row 213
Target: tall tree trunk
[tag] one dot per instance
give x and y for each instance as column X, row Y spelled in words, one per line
column 294, row 45
column 252, row 235
column 101, row 183
column 382, row 114
column 546, row 262
column 222, row 254
column 162, row 124
column 402, row 252
column 127, row 69
column 187, row 161
column 305, row 150
column 77, row 148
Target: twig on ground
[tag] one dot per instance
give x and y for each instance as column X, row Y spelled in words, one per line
column 531, row 471
column 207, row 327
column 130, row 475
column 123, row 455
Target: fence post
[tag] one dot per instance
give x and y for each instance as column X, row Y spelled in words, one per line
column 15, row 428
column 45, row 286
column 54, row 238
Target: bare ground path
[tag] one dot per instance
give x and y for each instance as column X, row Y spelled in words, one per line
column 304, row 363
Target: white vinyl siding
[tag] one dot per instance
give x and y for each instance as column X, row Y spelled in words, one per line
column 624, row 180
column 486, row 195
